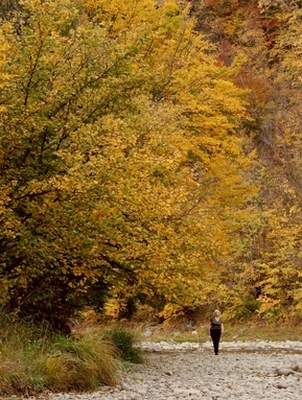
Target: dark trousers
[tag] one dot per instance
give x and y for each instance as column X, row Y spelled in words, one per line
column 215, row 335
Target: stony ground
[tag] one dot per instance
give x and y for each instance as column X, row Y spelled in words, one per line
column 242, row 371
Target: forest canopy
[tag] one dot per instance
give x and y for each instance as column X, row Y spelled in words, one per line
column 135, row 176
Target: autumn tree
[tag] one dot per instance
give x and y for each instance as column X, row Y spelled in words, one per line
column 270, row 40
column 279, row 263
column 123, row 170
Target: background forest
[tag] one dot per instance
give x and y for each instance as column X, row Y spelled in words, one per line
column 151, row 158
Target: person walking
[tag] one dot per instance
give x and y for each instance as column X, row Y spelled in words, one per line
column 216, row 329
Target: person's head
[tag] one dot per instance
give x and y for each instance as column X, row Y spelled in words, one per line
column 216, row 313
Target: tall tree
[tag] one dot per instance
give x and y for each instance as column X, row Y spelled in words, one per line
column 280, row 263
column 122, row 167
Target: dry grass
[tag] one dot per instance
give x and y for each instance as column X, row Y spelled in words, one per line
column 81, row 364
column 33, row 361
column 13, row 378
column 233, row 332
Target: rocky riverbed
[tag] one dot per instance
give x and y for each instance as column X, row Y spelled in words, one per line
column 242, row 371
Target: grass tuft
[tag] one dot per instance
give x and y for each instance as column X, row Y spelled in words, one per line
column 13, row 378
column 82, row 364
column 36, row 360
column 125, row 341
column 33, row 359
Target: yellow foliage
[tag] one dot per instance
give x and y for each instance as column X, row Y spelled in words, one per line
column 267, row 304
column 122, row 135
column 4, row 51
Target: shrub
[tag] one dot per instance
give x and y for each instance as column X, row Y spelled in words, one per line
column 125, row 341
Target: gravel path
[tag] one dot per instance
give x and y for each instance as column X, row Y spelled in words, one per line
column 242, row 371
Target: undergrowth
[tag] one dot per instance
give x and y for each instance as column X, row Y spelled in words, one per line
column 33, row 359
column 125, row 340
column 233, row 332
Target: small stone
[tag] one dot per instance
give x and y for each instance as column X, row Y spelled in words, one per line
column 125, row 386
column 176, row 371
column 281, row 386
column 296, row 368
column 283, row 371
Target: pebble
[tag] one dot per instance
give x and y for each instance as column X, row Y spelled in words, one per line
column 254, row 370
